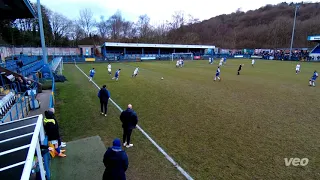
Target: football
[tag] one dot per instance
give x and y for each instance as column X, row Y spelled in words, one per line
column 161, row 78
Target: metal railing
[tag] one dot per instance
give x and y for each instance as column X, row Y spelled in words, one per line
column 20, row 136
column 31, row 68
column 20, row 106
column 52, row 101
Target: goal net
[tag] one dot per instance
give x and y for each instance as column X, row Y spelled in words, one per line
column 184, row 56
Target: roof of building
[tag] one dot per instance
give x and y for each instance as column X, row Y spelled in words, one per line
column 314, row 38
column 16, row 9
column 141, row 45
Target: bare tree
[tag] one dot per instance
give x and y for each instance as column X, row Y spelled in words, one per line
column 160, row 32
column 192, row 20
column 74, row 32
column 143, row 26
column 128, row 30
column 103, row 27
column 115, row 23
column 178, row 20
column 86, row 21
column 59, row 25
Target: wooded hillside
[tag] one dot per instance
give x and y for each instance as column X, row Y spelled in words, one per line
column 267, row 27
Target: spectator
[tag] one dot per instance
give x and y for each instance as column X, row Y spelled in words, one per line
column 23, row 84
column 104, row 96
column 116, row 162
column 19, row 64
column 129, row 121
column 51, row 128
column 61, row 144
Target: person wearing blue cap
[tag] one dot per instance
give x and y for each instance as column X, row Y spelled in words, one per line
column 116, row 162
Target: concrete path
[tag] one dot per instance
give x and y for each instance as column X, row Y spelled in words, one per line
column 83, row 161
column 44, row 99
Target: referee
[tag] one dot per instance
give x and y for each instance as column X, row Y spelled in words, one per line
column 239, row 69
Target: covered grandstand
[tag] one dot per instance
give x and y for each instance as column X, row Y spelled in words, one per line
column 137, row 51
column 16, row 9
column 21, row 126
column 315, row 53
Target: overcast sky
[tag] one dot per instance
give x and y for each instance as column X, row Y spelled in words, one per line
column 158, row 11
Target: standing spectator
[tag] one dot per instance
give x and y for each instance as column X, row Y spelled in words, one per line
column 19, row 65
column 129, row 121
column 116, row 162
column 23, row 84
column 104, row 96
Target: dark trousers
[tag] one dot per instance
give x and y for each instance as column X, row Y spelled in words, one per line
column 104, row 107
column 127, row 135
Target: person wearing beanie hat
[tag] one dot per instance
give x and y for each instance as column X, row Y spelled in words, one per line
column 115, row 161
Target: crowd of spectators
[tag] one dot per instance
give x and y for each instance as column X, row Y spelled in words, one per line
column 284, row 55
column 277, row 54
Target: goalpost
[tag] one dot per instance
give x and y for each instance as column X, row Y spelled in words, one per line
column 185, row 56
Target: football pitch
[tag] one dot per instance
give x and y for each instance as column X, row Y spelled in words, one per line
column 240, row 128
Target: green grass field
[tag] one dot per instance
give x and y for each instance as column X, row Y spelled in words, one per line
column 240, row 128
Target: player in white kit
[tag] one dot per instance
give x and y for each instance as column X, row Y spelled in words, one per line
column 178, row 63
column 109, row 69
column 135, row 72
column 298, row 68
column 221, row 61
column 252, row 62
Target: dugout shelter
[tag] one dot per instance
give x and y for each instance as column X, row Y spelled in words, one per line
column 315, row 53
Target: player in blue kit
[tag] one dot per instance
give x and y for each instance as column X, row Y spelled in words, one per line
column 313, row 79
column 117, row 74
column 217, row 74
column 91, row 74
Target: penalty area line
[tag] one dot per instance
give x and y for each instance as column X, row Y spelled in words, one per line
column 169, row 158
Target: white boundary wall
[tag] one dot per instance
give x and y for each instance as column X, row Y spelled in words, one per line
column 37, row 51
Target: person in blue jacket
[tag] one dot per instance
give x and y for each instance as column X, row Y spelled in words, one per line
column 104, row 96
column 116, row 162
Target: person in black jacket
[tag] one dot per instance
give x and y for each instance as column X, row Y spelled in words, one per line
column 129, row 121
column 51, row 128
column 116, row 162
column 104, row 96
column 51, row 115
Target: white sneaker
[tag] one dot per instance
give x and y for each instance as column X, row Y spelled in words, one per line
column 63, row 144
column 129, row 146
column 125, row 144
